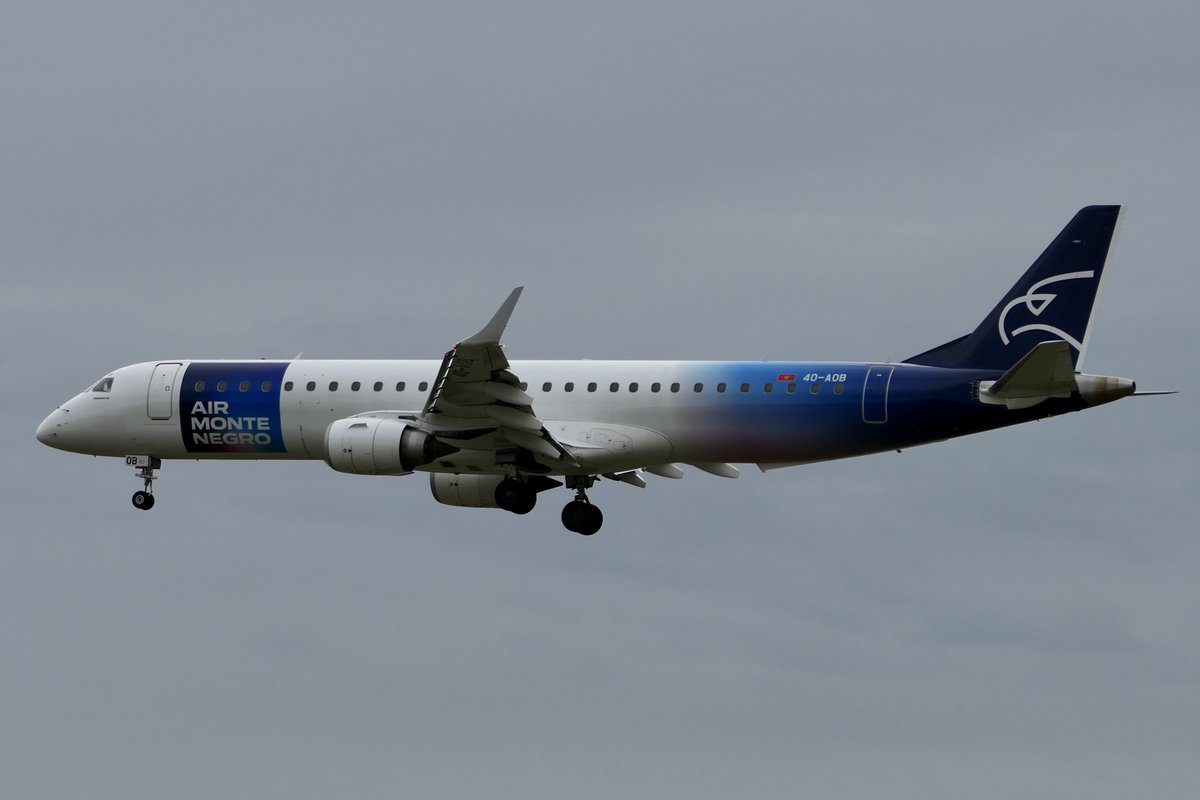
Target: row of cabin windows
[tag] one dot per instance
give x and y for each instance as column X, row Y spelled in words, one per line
column 311, row 386
column 744, row 388
column 223, row 386
column 569, row 386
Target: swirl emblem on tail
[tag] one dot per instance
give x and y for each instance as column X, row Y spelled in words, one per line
column 1036, row 301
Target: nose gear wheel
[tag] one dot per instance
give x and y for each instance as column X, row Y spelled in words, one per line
column 144, row 500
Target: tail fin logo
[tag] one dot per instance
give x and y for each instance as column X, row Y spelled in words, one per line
column 1036, row 301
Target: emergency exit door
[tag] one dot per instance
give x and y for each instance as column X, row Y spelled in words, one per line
column 875, row 394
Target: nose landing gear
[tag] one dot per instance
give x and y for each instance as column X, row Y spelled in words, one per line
column 146, row 465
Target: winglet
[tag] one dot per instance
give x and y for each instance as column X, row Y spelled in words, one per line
column 491, row 333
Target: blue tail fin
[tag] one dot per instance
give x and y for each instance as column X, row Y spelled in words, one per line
column 1052, row 301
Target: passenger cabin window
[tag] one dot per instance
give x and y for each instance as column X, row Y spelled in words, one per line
column 633, row 387
column 546, row 386
column 592, row 386
column 568, row 386
column 838, row 388
column 791, row 388
column 354, row 387
column 699, row 387
column 378, row 386
column 311, row 386
column 222, row 386
column 244, row 386
column 287, row 387
column 266, row 386
column 105, row 384
column 815, row 388
column 199, row 386
column 720, row 388
column 654, row 387
column 424, row 385
column 768, row 388
column 674, row 387
column 745, row 388
column 612, row 387
column 333, row 386
column 400, row 386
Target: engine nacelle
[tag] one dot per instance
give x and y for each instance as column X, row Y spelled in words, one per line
column 469, row 491
column 372, row 446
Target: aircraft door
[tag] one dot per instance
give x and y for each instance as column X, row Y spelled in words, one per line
column 875, row 392
column 160, row 396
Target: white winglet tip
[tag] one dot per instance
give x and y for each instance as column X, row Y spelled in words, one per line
column 491, row 333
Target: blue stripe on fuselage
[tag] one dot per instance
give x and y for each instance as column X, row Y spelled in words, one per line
column 231, row 407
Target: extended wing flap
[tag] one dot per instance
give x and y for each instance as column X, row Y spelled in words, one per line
column 507, row 393
column 476, row 391
column 532, row 442
column 514, row 418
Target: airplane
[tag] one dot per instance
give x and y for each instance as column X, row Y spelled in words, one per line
column 495, row 434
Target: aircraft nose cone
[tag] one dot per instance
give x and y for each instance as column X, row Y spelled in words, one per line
column 47, row 432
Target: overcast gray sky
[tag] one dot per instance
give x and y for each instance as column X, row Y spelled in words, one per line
column 1008, row 615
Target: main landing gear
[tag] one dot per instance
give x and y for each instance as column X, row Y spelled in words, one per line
column 146, row 465
column 578, row 516
column 582, row 517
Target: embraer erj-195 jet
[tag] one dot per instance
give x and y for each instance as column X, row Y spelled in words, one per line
column 494, row 433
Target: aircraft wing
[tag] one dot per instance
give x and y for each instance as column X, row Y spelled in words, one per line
column 475, row 393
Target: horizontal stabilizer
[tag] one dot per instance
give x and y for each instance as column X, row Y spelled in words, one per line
column 1045, row 371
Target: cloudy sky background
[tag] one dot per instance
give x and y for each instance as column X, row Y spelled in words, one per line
column 1008, row 615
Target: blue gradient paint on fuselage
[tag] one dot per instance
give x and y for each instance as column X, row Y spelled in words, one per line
column 777, row 426
column 790, row 412
column 231, row 407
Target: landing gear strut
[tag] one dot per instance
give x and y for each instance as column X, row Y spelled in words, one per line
column 579, row 515
column 520, row 496
column 146, row 465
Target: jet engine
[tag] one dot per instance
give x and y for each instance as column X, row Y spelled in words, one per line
column 469, row 491
column 479, row 491
column 372, row 446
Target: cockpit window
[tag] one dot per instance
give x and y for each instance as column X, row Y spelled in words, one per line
column 105, row 384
